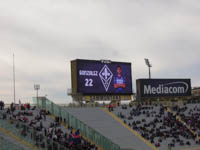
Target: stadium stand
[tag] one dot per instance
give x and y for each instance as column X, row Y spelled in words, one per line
column 109, row 127
column 158, row 125
column 189, row 115
column 86, row 131
column 132, row 127
column 7, row 145
column 40, row 131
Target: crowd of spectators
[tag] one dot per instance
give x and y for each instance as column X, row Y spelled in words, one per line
column 154, row 122
column 159, row 126
column 45, row 131
column 190, row 114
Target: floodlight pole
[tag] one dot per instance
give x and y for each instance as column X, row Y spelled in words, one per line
column 37, row 97
column 149, row 72
column 149, row 66
column 14, row 77
column 37, row 87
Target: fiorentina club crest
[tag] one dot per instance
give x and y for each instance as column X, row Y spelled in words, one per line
column 106, row 76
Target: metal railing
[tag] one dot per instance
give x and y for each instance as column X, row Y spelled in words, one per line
column 75, row 123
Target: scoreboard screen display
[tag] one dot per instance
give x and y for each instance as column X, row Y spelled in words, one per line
column 103, row 77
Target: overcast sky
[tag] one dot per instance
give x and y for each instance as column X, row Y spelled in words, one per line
column 45, row 35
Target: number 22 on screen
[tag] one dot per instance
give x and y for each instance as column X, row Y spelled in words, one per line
column 88, row 82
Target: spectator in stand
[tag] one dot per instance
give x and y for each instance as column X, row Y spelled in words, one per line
column 110, row 107
column 1, row 105
column 28, row 106
column 25, row 106
column 41, row 125
column 12, row 107
column 20, row 104
column 25, row 119
column 8, row 111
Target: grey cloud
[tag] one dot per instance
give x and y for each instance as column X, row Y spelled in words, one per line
column 46, row 35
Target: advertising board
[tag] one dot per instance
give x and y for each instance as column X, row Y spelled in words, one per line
column 163, row 87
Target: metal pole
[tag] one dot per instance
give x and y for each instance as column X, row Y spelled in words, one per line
column 149, row 72
column 14, row 76
column 37, row 98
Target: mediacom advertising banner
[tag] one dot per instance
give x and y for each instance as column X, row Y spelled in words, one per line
column 97, row 77
column 163, row 87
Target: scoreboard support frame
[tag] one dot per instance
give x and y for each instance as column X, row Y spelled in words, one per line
column 79, row 97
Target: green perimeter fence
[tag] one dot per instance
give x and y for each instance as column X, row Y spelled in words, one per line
column 72, row 121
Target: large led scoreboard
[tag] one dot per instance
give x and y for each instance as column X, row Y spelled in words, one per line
column 101, row 80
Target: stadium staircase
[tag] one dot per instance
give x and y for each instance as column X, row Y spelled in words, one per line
column 100, row 120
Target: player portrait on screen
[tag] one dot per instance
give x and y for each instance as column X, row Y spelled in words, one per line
column 119, row 81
